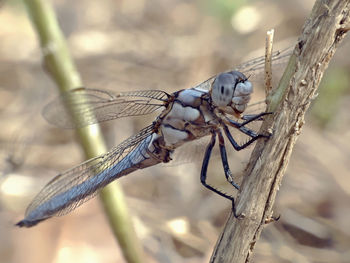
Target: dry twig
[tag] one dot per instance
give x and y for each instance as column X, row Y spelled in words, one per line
column 268, row 61
column 322, row 32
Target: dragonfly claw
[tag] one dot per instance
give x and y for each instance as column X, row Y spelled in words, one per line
column 237, row 216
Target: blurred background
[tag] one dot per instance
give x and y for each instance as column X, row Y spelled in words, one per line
column 168, row 45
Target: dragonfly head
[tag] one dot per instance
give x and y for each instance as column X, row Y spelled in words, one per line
column 231, row 92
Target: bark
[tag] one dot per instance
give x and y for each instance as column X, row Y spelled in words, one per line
column 321, row 34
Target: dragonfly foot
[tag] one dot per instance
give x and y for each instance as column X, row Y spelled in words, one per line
column 255, row 117
column 272, row 219
column 235, row 185
column 237, row 216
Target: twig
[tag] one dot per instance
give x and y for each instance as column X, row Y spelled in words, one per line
column 322, row 32
column 62, row 69
column 268, row 62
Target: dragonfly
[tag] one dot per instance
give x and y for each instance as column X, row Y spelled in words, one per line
column 186, row 115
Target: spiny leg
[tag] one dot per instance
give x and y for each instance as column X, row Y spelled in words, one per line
column 204, row 174
column 223, row 154
column 236, row 145
column 255, row 117
column 251, row 118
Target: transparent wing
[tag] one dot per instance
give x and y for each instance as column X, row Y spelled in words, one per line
column 94, row 106
column 252, row 67
column 258, row 64
column 72, row 188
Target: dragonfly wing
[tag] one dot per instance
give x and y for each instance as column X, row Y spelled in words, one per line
column 94, row 106
column 257, row 64
column 252, row 67
column 72, row 188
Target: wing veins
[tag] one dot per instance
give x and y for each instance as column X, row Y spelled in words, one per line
column 252, row 66
column 93, row 108
column 87, row 170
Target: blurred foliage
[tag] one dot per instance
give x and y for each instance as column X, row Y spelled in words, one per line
column 223, row 9
column 335, row 86
column 16, row 4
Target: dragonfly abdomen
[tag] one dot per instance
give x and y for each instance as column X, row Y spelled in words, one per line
column 145, row 154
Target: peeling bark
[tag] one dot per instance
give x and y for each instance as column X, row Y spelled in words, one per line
column 321, row 34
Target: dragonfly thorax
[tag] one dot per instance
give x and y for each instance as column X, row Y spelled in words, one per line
column 231, row 92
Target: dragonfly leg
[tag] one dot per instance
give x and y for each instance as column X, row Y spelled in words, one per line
column 223, row 154
column 250, row 118
column 240, row 147
column 204, row 174
column 254, row 117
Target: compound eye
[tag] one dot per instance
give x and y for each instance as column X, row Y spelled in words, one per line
column 222, row 89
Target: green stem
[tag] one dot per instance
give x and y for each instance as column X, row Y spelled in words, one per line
column 62, row 69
